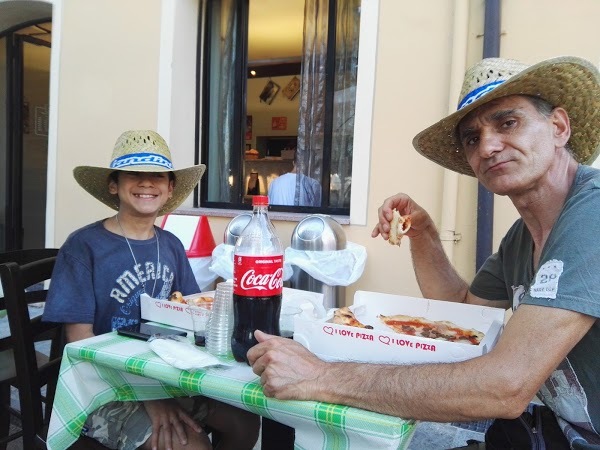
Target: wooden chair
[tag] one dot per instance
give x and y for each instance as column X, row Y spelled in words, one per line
column 7, row 362
column 30, row 374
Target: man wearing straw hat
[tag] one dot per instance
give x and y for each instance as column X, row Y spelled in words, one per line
column 526, row 132
column 101, row 272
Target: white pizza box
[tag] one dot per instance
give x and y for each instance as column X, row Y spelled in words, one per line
column 169, row 313
column 178, row 314
column 382, row 345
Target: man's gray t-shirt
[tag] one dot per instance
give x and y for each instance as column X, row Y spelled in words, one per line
column 568, row 277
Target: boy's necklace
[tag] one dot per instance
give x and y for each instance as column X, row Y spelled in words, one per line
column 135, row 260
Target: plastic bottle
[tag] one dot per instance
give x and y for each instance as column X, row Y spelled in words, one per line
column 257, row 280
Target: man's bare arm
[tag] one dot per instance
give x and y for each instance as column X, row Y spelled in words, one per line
column 498, row 384
column 436, row 277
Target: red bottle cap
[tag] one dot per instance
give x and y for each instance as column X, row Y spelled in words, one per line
column 260, row 200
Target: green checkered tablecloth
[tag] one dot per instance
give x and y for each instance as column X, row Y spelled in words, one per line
column 111, row 367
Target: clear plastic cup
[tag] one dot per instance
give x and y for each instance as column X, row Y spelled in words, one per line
column 220, row 327
column 200, row 317
column 287, row 317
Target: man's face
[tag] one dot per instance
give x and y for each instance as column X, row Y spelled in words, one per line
column 142, row 193
column 510, row 145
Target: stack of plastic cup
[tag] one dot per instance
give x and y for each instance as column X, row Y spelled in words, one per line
column 220, row 325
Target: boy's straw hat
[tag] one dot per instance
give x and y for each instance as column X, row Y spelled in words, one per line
column 139, row 151
column 569, row 82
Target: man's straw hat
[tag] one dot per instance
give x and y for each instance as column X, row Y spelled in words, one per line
column 569, row 82
column 139, row 151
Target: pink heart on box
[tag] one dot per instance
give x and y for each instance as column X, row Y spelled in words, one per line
column 328, row 330
column 158, row 304
column 384, row 340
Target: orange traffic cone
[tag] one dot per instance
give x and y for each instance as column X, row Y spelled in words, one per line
column 203, row 242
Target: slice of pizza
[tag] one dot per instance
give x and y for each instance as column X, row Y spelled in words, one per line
column 176, row 297
column 422, row 327
column 458, row 333
column 412, row 326
column 202, row 301
column 399, row 226
column 344, row 316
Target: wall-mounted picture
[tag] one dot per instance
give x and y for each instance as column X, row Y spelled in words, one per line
column 279, row 123
column 292, row 88
column 269, row 92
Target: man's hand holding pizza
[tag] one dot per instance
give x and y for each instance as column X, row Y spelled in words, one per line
column 287, row 370
column 435, row 275
column 401, row 206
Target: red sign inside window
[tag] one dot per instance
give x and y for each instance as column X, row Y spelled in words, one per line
column 279, row 123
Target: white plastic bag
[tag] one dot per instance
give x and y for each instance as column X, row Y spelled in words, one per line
column 222, row 263
column 204, row 276
column 333, row 267
column 311, row 303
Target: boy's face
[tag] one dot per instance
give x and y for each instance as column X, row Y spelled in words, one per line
column 142, row 193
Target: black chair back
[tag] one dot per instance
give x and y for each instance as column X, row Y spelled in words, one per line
column 30, row 377
column 19, row 271
column 23, row 257
column 7, row 375
column 28, row 255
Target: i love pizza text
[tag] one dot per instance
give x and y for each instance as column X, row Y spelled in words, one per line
column 405, row 343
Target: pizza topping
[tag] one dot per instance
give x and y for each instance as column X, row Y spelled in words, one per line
column 399, row 226
column 202, row 301
column 422, row 327
column 177, row 297
column 344, row 316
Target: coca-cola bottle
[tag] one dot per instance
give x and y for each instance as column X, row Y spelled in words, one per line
column 257, row 280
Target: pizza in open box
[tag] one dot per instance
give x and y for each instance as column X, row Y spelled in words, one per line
column 344, row 316
column 432, row 329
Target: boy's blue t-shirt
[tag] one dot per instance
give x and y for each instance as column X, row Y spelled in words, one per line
column 96, row 281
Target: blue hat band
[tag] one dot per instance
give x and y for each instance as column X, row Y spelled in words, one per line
column 478, row 93
column 141, row 159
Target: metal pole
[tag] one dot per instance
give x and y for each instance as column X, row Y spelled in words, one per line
column 485, row 199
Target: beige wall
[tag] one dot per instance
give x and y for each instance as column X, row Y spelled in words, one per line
column 414, row 65
column 109, row 82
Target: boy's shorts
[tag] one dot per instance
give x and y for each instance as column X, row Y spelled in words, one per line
column 126, row 425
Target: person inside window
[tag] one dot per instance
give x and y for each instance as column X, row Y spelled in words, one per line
column 282, row 190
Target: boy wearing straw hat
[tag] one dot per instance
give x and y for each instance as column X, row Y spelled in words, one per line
column 101, row 272
column 526, row 132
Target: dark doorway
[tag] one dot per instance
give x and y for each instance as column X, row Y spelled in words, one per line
column 25, row 72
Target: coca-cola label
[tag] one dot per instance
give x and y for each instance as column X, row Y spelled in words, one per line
column 257, row 276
